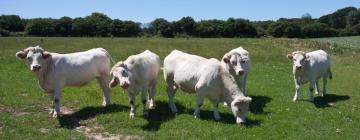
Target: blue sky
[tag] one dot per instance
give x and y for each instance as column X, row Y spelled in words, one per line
column 147, row 10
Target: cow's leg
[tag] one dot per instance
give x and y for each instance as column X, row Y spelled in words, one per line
column 311, row 94
column 152, row 92
column 324, row 85
column 132, row 104
column 56, row 101
column 317, row 87
column 199, row 103
column 297, row 88
column 216, row 110
column 243, row 84
column 144, row 97
column 171, row 89
column 103, row 82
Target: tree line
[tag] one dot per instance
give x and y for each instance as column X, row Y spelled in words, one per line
column 343, row 22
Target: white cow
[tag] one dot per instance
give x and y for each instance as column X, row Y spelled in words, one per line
column 138, row 73
column 55, row 71
column 311, row 67
column 237, row 61
column 208, row 78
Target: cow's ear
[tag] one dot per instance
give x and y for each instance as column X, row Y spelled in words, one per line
column 289, row 56
column 226, row 58
column 307, row 57
column 122, row 64
column 113, row 82
column 46, row 55
column 21, row 55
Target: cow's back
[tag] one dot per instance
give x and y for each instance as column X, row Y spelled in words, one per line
column 184, row 69
column 145, row 66
column 80, row 67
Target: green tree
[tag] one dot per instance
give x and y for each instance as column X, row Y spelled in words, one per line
column 352, row 18
column 163, row 27
column 100, row 24
column 82, row 27
column 124, row 28
column 210, row 28
column 41, row 27
column 64, row 26
column 337, row 19
column 186, row 25
column 238, row 28
column 11, row 23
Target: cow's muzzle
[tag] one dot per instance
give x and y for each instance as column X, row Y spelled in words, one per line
column 36, row 68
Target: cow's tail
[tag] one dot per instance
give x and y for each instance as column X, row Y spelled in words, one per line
column 108, row 55
column 330, row 74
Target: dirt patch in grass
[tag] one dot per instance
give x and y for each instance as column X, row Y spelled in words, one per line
column 12, row 111
column 1, row 126
column 44, row 130
column 89, row 127
column 91, row 133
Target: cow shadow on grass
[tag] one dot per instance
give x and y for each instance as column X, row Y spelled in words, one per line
column 328, row 99
column 160, row 114
column 258, row 103
column 163, row 114
column 72, row 121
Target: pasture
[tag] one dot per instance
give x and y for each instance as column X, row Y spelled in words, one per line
column 273, row 115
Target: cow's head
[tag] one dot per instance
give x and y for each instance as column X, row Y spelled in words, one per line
column 235, row 62
column 120, row 75
column 299, row 58
column 239, row 107
column 36, row 57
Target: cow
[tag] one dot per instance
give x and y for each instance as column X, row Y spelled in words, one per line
column 138, row 73
column 207, row 78
column 311, row 67
column 54, row 71
column 237, row 61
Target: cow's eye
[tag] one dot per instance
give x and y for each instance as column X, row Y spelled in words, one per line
column 123, row 72
column 233, row 62
column 28, row 58
column 243, row 61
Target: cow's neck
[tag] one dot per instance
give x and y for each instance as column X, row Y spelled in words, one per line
column 43, row 76
column 231, row 89
column 303, row 75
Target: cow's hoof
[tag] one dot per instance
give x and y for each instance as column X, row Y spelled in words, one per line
column 196, row 115
column 294, row 100
column 132, row 115
column 55, row 115
column 225, row 104
column 105, row 104
column 151, row 106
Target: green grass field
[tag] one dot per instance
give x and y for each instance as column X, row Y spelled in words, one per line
column 273, row 115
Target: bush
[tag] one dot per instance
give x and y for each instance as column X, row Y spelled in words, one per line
column 285, row 29
column 210, row 28
column 318, row 30
column 120, row 28
column 4, row 32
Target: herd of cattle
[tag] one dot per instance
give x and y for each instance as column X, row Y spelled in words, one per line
column 219, row 81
